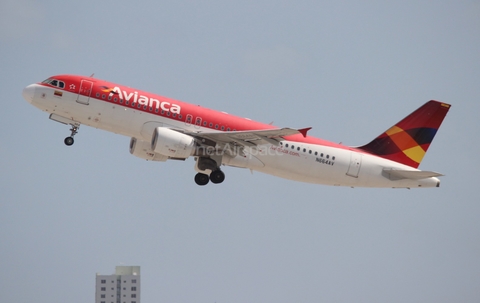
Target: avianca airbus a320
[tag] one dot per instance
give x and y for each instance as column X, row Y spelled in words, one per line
column 166, row 129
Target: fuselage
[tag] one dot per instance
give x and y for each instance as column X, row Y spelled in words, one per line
column 134, row 113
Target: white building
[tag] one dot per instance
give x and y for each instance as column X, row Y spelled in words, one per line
column 121, row 287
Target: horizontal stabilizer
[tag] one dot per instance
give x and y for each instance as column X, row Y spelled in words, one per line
column 396, row 174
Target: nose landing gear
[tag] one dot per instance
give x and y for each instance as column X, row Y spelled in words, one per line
column 69, row 140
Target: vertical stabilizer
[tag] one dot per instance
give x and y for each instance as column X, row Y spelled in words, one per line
column 407, row 141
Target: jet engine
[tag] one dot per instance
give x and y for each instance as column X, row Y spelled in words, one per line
column 142, row 149
column 173, row 144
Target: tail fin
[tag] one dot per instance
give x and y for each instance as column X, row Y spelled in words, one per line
column 407, row 141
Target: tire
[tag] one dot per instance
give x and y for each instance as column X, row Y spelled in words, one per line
column 68, row 141
column 217, row 176
column 201, row 179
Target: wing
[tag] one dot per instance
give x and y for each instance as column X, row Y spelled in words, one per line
column 249, row 138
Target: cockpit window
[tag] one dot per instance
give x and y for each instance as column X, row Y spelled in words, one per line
column 54, row 82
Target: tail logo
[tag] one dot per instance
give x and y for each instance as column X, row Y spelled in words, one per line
column 407, row 141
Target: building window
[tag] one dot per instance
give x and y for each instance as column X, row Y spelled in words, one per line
column 103, row 281
column 134, row 295
column 134, row 281
column 102, row 296
column 103, row 289
column 134, row 288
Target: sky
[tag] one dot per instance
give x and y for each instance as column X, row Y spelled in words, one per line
column 348, row 69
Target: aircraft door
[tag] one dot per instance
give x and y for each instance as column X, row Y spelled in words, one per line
column 84, row 92
column 355, row 163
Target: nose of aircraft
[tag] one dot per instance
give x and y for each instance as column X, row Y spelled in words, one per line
column 29, row 92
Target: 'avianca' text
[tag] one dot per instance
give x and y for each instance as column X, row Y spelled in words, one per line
column 146, row 101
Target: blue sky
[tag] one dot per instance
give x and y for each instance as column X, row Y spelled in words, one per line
column 348, row 69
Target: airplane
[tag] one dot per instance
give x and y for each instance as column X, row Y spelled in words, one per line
column 164, row 129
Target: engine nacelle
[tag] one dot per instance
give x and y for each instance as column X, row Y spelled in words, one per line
column 172, row 143
column 142, row 149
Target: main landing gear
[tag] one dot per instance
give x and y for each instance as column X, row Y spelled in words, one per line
column 69, row 140
column 216, row 176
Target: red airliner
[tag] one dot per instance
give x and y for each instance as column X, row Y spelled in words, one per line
column 164, row 129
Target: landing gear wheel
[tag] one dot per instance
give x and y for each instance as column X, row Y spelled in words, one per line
column 201, row 179
column 217, row 176
column 68, row 141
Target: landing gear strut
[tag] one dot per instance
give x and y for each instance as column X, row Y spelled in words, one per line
column 69, row 140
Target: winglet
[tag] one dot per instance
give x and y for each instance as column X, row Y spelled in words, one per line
column 304, row 131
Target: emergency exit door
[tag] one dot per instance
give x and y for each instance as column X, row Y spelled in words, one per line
column 84, row 92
